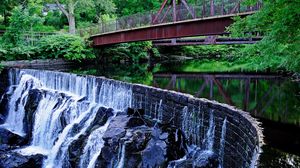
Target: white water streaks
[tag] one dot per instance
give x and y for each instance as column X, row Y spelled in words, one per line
column 17, row 104
column 58, row 155
column 93, row 147
column 222, row 143
column 192, row 128
column 68, row 106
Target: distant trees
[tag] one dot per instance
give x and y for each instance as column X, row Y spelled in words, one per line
column 6, row 6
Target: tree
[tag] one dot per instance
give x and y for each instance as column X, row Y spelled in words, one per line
column 68, row 8
column 6, row 6
column 22, row 20
column 136, row 6
column 279, row 23
column 104, row 7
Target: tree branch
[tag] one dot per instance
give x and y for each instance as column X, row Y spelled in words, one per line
column 76, row 3
column 62, row 8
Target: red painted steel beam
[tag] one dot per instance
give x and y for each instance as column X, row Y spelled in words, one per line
column 195, row 27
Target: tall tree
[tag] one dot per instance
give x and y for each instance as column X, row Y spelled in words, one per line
column 69, row 11
column 68, row 8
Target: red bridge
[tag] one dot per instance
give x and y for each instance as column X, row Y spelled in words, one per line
column 175, row 19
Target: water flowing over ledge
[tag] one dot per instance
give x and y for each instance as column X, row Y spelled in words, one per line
column 70, row 103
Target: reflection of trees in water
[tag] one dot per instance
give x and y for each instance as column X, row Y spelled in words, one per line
column 264, row 96
column 136, row 73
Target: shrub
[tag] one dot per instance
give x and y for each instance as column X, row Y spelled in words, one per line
column 65, row 46
column 131, row 52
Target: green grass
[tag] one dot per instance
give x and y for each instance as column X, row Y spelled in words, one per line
column 209, row 66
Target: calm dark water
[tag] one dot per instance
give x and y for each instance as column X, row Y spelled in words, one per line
column 272, row 99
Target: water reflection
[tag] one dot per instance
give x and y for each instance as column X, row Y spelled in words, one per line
column 265, row 96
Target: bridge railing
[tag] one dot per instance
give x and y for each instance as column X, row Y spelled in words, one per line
column 182, row 13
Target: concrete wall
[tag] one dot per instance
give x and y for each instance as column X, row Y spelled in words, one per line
column 49, row 64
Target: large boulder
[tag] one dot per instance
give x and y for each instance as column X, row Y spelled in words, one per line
column 16, row 160
column 133, row 141
column 9, row 138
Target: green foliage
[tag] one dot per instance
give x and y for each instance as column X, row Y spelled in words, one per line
column 136, row 6
column 22, row 20
column 55, row 19
column 53, row 46
column 202, row 51
column 132, row 52
column 64, row 46
column 279, row 22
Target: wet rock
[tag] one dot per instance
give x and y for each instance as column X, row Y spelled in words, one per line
column 76, row 148
column 135, row 122
column 116, row 129
column 34, row 97
column 101, row 118
column 5, row 147
column 197, row 158
column 154, row 154
column 9, row 138
column 135, row 112
column 131, row 138
column 15, row 160
column 4, row 108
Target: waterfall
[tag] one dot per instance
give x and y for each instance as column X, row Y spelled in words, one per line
column 121, row 157
column 159, row 111
column 222, row 143
column 58, row 154
column 70, row 111
column 210, row 134
column 17, row 104
column 68, row 106
column 93, row 147
column 190, row 125
column 47, row 123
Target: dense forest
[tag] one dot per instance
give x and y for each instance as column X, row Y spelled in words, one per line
column 40, row 29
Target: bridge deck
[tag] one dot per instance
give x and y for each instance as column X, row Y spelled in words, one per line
column 214, row 25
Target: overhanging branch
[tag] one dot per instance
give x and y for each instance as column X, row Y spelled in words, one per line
column 62, row 8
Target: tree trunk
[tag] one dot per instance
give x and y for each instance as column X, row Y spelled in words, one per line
column 72, row 28
column 71, row 18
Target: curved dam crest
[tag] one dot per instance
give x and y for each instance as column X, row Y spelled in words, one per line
column 71, row 107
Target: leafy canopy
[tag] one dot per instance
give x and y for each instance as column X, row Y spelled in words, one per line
column 279, row 23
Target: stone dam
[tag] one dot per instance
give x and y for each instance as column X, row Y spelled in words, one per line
column 55, row 119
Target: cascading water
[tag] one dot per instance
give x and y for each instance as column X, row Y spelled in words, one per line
column 17, row 104
column 68, row 106
column 93, row 147
column 159, row 111
column 192, row 125
column 222, row 143
column 210, row 135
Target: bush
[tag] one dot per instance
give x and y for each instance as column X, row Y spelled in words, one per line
column 65, row 46
column 22, row 52
column 55, row 46
column 131, row 52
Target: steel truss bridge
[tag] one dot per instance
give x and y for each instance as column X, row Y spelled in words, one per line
column 176, row 20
